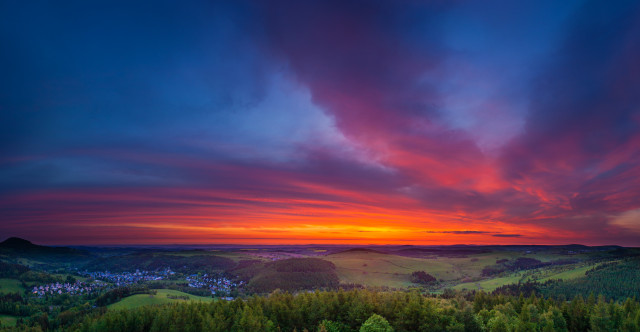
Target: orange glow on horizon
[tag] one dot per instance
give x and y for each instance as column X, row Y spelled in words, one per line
column 288, row 221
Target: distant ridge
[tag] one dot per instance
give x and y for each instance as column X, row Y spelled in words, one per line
column 359, row 250
column 17, row 243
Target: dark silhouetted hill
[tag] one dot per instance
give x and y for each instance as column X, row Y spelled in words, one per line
column 17, row 243
column 14, row 248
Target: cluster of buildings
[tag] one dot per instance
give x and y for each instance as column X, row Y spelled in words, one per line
column 217, row 285
column 77, row 288
column 128, row 278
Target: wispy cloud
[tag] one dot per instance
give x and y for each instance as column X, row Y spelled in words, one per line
column 459, row 232
column 628, row 220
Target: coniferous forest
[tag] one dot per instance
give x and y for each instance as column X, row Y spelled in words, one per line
column 353, row 310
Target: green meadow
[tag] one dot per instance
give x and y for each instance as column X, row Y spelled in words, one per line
column 372, row 268
column 489, row 284
column 162, row 297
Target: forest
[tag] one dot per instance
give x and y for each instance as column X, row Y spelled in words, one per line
column 361, row 310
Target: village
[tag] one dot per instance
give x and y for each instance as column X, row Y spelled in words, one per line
column 128, row 278
column 96, row 281
column 219, row 286
column 77, row 288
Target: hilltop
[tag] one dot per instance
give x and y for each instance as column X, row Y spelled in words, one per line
column 16, row 243
column 18, row 250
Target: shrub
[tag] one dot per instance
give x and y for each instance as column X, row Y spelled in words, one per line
column 421, row 277
column 376, row 323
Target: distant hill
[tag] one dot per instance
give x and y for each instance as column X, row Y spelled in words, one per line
column 16, row 243
column 14, row 248
column 294, row 274
column 360, row 250
column 453, row 251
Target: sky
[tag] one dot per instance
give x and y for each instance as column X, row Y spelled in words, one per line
column 338, row 122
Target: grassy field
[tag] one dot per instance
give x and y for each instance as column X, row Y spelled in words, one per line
column 569, row 274
column 489, row 284
column 373, row 278
column 139, row 300
column 10, row 286
column 541, row 275
column 235, row 255
column 6, row 320
column 378, row 269
column 372, row 268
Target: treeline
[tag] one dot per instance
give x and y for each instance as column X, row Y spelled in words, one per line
column 154, row 261
column 36, row 312
column 349, row 310
column 15, row 305
column 25, row 274
column 9, row 270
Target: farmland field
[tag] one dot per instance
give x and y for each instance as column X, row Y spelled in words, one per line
column 161, row 297
column 569, row 274
column 379, row 269
column 488, row 284
column 373, row 268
